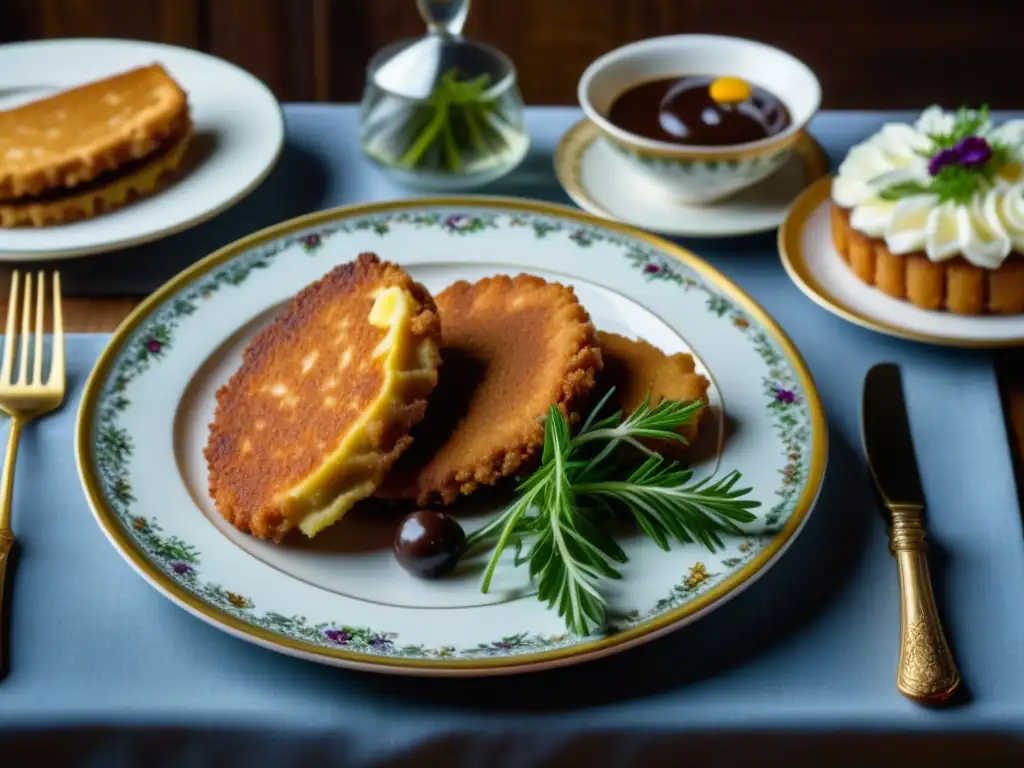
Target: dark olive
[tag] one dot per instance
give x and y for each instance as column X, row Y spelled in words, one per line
column 428, row 544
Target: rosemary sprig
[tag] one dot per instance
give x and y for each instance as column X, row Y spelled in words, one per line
column 581, row 481
column 657, row 495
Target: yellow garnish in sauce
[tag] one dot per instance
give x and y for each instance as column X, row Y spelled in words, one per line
column 730, row 90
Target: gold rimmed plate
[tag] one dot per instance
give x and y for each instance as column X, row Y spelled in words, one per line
column 342, row 599
column 601, row 181
column 814, row 265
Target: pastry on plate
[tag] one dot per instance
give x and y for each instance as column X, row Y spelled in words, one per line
column 933, row 212
column 92, row 148
column 512, row 348
column 639, row 370
column 324, row 400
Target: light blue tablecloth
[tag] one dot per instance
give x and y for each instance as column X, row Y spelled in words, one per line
column 809, row 647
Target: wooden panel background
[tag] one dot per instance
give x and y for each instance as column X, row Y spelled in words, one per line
column 868, row 54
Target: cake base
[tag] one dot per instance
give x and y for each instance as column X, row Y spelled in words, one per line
column 954, row 285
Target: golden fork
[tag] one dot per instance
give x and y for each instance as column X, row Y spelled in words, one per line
column 26, row 397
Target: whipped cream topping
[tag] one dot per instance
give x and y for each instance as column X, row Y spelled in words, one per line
column 984, row 230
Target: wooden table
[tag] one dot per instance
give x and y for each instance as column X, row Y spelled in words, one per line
column 103, row 315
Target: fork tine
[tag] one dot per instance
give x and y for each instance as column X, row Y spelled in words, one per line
column 56, row 376
column 26, row 329
column 37, row 363
column 11, row 331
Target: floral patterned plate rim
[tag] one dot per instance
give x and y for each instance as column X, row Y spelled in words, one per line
column 146, row 404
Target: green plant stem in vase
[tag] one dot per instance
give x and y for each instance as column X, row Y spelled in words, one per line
column 453, row 128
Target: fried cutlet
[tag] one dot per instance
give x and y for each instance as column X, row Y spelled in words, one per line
column 637, row 369
column 512, row 348
column 324, row 400
column 76, row 135
column 106, row 193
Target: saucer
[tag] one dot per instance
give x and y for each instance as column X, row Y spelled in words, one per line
column 601, row 182
column 812, row 262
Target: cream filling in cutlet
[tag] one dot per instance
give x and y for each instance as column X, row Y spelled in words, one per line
column 353, row 470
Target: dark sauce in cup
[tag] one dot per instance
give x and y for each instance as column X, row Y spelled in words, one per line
column 699, row 110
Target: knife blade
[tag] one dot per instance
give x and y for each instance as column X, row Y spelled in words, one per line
column 926, row 670
column 885, row 430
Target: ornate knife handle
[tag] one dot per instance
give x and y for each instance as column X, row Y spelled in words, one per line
column 927, row 671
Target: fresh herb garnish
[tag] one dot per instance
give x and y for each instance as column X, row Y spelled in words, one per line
column 583, row 480
column 961, row 162
column 968, row 122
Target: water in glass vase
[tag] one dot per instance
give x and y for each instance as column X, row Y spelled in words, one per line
column 466, row 132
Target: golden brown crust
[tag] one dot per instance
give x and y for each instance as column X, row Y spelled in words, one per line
column 106, row 193
column 512, row 347
column 637, row 369
column 955, row 285
column 72, row 137
column 305, row 380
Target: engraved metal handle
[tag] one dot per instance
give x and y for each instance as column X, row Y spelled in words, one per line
column 444, row 16
column 927, row 671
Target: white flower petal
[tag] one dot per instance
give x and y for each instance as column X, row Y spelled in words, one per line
column 872, row 217
column 933, row 120
column 902, row 142
column 1011, row 132
column 982, row 245
column 942, row 240
column 908, row 222
column 1011, row 212
column 849, row 192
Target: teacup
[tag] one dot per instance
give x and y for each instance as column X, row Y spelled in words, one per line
column 701, row 174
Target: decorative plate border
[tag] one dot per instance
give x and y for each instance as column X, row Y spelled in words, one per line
column 149, row 332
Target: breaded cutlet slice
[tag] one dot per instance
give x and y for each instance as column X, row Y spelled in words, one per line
column 324, row 400
column 106, row 193
column 637, row 369
column 73, row 136
column 512, row 348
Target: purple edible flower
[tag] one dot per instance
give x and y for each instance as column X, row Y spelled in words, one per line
column 974, row 151
column 942, row 159
column 337, row 636
column 971, row 152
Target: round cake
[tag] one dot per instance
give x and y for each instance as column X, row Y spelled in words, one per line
column 933, row 212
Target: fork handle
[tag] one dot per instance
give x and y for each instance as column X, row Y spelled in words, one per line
column 6, row 545
column 6, row 535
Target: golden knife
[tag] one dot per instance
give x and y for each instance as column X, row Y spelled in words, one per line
column 926, row 671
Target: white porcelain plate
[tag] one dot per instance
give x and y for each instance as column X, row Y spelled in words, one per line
column 239, row 135
column 342, row 598
column 812, row 262
column 601, row 181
